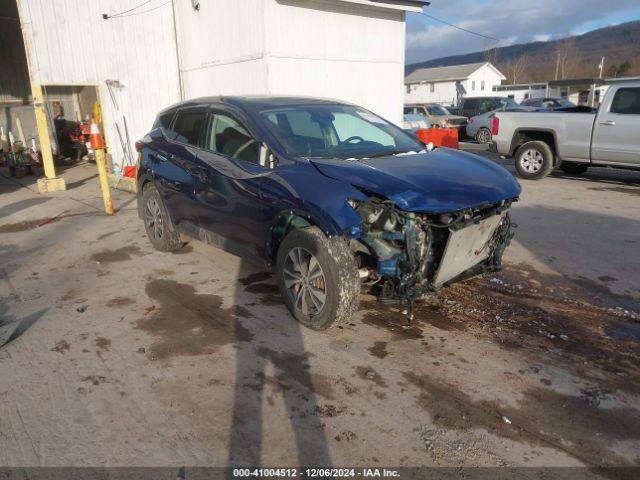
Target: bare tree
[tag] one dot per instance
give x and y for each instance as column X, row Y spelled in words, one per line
column 567, row 59
column 516, row 68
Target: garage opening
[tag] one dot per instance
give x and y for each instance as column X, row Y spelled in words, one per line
column 69, row 111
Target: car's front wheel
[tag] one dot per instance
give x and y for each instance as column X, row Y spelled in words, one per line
column 534, row 160
column 318, row 278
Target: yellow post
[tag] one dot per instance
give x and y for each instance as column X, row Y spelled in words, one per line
column 50, row 183
column 101, row 161
column 97, row 144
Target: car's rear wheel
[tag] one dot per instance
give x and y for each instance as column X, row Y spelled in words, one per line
column 483, row 135
column 157, row 223
column 318, row 278
column 574, row 168
column 534, row 160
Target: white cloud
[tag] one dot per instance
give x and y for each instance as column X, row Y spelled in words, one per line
column 512, row 20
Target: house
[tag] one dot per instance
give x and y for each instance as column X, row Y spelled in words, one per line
column 133, row 58
column 445, row 85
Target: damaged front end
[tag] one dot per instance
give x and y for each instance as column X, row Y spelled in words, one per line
column 404, row 255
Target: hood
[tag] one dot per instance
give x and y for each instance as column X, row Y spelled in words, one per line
column 444, row 180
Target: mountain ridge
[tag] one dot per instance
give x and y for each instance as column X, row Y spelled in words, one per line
column 573, row 57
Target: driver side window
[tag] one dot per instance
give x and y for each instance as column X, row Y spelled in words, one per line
column 227, row 137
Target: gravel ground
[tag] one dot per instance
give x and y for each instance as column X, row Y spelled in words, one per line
column 126, row 356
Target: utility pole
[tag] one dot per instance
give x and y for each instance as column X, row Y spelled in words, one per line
column 557, row 65
column 601, row 66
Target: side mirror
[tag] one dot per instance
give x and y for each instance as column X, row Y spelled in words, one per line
column 267, row 159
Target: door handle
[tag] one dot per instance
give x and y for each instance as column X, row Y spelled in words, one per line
column 608, row 123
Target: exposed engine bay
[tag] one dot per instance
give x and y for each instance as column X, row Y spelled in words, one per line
column 404, row 255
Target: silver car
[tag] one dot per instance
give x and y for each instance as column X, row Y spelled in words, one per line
column 480, row 127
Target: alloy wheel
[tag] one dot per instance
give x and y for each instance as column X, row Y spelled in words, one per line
column 153, row 217
column 305, row 282
column 484, row 136
column 532, row 161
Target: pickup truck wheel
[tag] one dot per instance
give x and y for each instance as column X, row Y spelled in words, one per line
column 574, row 168
column 534, row 160
column 157, row 223
column 318, row 278
column 483, row 135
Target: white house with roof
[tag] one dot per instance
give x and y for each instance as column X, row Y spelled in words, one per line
column 445, row 85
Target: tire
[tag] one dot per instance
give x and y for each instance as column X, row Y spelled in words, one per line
column 483, row 135
column 574, row 168
column 302, row 254
column 157, row 223
column 534, row 160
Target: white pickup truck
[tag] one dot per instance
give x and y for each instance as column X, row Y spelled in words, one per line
column 573, row 141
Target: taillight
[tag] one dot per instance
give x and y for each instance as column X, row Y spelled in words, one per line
column 495, row 128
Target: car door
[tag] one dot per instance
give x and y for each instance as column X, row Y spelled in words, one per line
column 231, row 213
column 175, row 163
column 615, row 133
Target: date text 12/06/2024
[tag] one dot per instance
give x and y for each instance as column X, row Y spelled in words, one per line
column 315, row 473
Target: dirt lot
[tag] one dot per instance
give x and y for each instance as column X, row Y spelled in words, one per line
column 128, row 356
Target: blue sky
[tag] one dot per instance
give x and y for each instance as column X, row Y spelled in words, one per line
column 516, row 21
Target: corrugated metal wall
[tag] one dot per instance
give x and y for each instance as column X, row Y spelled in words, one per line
column 344, row 51
column 328, row 48
column 71, row 44
column 323, row 48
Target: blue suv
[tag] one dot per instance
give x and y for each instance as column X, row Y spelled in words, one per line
column 329, row 195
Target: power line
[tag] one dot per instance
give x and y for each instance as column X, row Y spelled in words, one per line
column 106, row 16
column 488, row 37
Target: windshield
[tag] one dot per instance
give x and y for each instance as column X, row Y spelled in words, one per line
column 336, row 131
column 437, row 110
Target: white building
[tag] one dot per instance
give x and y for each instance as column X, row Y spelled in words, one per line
column 521, row 92
column 445, row 85
column 146, row 56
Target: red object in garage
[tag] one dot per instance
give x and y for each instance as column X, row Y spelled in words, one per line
column 440, row 137
column 130, row 171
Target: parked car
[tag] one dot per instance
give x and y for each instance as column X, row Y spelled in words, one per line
column 573, row 141
column 481, row 127
column 436, row 114
column 414, row 122
column 551, row 103
column 474, row 106
column 329, row 195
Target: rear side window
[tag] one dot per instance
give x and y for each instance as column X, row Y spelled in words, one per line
column 187, row 126
column 626, row 101
column 164, row 120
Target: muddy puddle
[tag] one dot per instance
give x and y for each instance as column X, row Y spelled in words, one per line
column 573, row 321
column 574, row 425
column 118, row 255
column 184, row 322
